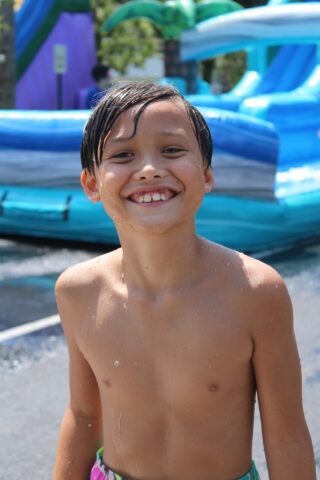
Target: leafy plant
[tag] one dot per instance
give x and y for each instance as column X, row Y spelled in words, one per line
column 7, row 54
column 125, row 45
column 172, row 17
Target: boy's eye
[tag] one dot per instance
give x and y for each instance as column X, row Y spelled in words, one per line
column 123, row 155
column 172, row 150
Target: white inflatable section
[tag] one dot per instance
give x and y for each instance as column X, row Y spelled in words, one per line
column 274, row 25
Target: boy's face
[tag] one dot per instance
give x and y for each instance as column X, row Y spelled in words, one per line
column 156, row 179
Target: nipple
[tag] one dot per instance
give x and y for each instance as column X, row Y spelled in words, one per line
column 213, row 387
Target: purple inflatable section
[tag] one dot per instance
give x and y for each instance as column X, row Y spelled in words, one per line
column 37, row 89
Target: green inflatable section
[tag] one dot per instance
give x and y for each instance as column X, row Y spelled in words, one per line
column 172, row 17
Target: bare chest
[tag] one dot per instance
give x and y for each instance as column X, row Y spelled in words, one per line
column 188, row 352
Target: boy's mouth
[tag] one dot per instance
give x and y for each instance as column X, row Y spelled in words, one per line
column 154, row 196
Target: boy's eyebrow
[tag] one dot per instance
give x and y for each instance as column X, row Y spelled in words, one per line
column 118, row 140
column 168, row 133
column 175, row 133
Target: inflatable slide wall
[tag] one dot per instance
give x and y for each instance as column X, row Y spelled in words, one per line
column 42, row 28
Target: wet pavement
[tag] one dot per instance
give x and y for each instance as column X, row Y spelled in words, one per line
column 33, row 369
column 28, row 272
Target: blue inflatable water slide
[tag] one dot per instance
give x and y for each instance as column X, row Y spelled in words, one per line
column 266, row 160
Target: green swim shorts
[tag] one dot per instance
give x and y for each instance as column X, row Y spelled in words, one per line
column 101, row 471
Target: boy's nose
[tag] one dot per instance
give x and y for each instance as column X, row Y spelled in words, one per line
column 149, row 170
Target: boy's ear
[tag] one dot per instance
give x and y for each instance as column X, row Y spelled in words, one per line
column 89, row 185
column 208, row 179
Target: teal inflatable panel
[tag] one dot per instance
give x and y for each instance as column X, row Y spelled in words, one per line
column 243, row 224
column 57, row 213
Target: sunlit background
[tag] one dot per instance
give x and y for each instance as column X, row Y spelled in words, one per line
column 262, row 106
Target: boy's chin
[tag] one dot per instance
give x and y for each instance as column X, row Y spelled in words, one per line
column 150, row 228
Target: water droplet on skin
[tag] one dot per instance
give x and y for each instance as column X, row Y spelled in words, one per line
column 116, row 363
column 276, row 285
column 119, row 422
column 135, row 364
column 89, row 425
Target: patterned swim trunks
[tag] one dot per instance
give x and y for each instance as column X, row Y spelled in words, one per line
column 100, row 471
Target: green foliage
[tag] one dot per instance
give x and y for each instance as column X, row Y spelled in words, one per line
column 7, row 54
column 132, row 42
column 4, row 27
column 229, row 69
column 226, row 70
column 128, row 44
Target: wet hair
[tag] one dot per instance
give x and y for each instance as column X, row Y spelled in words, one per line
column 121, row 98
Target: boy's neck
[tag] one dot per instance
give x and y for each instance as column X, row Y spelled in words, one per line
column 161, row 263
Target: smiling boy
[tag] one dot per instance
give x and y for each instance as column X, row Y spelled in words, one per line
column 171, row 336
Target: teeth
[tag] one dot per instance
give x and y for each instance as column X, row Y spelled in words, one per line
column 147, row 198
column 153, row 197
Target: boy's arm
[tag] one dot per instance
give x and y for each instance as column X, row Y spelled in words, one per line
column 80, row 433
column 276, row 363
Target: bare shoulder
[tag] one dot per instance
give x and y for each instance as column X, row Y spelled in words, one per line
column 242, row 270
column 259, row 274
column 86, row 275
column 253, row 287
column 267, row 297
column 263, row 280
column 74, row 277
column 78, row 288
